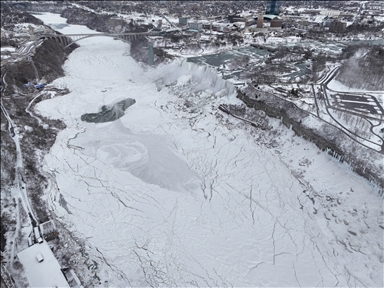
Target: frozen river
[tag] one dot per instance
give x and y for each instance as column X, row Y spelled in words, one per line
column 169, row 196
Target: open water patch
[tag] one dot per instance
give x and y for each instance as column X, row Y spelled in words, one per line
column 109, row 114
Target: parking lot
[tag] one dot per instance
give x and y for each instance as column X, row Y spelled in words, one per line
column 362, row 103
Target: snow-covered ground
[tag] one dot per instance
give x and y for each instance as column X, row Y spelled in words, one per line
column 10, row 49
column 173, row 196
column 337, row 86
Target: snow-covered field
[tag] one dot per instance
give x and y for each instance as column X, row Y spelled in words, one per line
column 173, row 196
column 10, row 49
column 337, row 86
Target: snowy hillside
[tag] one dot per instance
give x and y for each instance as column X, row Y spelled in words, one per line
column 364, row 70
column 175, row 193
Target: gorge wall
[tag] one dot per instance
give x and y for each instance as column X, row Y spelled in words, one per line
column 326, row 136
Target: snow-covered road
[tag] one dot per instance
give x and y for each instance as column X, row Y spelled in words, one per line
column 174, row 193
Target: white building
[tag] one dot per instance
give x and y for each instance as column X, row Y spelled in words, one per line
column 42, row 273
column 330, row 13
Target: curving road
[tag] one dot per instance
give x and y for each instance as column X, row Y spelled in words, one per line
column 360, row 104
column 19, row 190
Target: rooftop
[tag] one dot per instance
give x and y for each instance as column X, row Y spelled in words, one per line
column 271, row 16
column 42, row 274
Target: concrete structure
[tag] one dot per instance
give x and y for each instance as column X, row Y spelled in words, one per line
column 68, row 39
column 46, row 273
column 260, row 21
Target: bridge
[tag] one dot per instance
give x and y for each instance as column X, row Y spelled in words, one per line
column 68, row 39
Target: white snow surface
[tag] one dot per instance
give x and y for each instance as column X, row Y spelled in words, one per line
column 10, row 49
column 338, row 86
column 165, row 197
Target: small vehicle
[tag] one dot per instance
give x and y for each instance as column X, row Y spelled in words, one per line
column 39, row 257
column 38, row 238
column 39, row 86
column 29, row 84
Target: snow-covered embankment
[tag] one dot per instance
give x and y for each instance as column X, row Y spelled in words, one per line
column 168, row 195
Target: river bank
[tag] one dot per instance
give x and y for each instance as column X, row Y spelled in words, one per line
column 175, row 183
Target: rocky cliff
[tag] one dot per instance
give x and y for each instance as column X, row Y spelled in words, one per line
column 363, row 68
column 326, row 136
column 98, row 22
column 48, row 60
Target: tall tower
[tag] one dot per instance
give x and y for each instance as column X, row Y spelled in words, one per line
column 273, row 7
column 260, row 21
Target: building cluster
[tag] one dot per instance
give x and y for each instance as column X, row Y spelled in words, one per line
column 232, row 23
column 374, row 8
column 273, row 14
column 24, row 31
